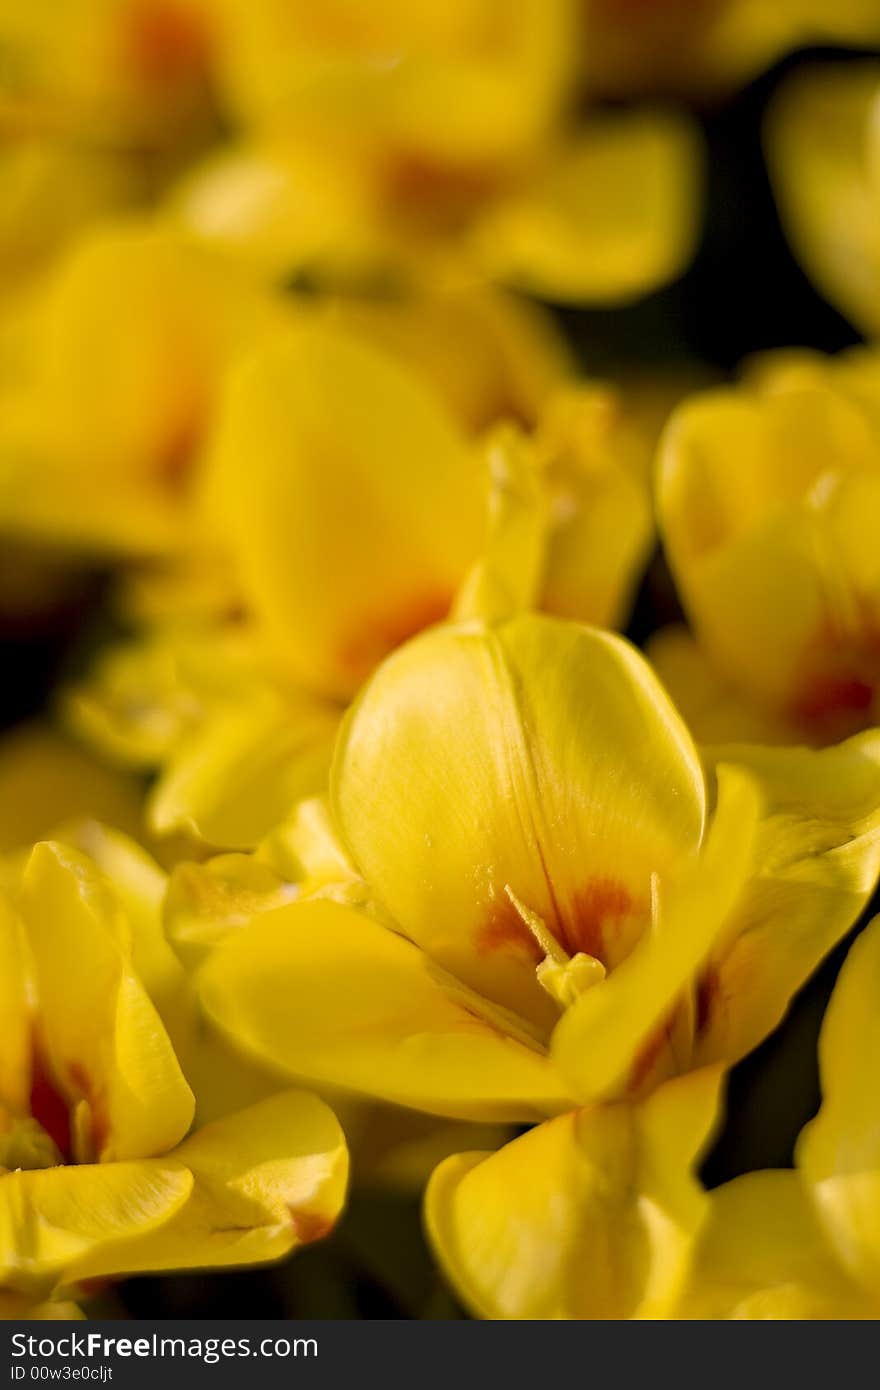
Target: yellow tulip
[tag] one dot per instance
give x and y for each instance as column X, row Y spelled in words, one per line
column 127, row 345
column 823, row 150
column 437, row 142
column 544, row 906
column 101, row 1171
column 805, row 1243
column 359, row 511
column 768, row 500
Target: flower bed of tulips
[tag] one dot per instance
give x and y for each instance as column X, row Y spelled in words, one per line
column 442, row 773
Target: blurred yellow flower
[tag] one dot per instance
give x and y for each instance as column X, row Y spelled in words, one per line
column 438, row 142
column 769, row 499
column 805, row 1244
column 542, row 906
column 47, row 780
column 99, row 1174
column 109, row 385
column 358, row 511
column 823, row 149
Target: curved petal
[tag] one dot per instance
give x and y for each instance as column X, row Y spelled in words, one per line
column 490, row 355
column 821, row 140
column 360, row 507
column 106, row 1047
column 47, row 780
column 15, row 1038
column 233, row 779
column 763, row 1256
column 142, row 698
column 140, row 887
column 601, row 524
column 324, row 993
column 839, row 1152
column 261, row 1182
column 540, row 756
column 558, row 239
column 713, row 709
column 817, row 862
column 205, row 902
column 599, row 1042
column 54, row 1220
column 135, row 331
column 752, row 506
column 592, row 1215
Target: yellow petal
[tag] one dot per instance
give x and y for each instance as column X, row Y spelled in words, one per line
column 839, row 1152
column 592, row 1215
column 468, row 80
column 45, row 780
column 601, row 524
column 18, row 1306
column 326, row 994
column 821, row 142
column 541, row 756
column 140, row 887
column 609, row 217
column 768, row 552
column 491, row 356
column 816, row 864
column 15, row 1040
column 507, row 577
column 359, row 510
column 714, row 710
column 56, row 1220
column 143, row 697
column 763, row 1256
column 104, row 1041
column 136, row 332
column 239, row 774
column 205, row 902
column 599, row 1042
column 261, row 1183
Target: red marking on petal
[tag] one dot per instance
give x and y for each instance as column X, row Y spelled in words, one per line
column 708, row 995
column 505, row 930
column 830, row 702
column 648, row 1056
column 433, row 196
column 48, row 1106
column 379, row 633
column 174, row 465
column 100, row 1120
column 601, row 904
column 309, row 1226
column 165, row 42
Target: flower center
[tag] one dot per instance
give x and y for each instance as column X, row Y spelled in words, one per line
column 562, row 976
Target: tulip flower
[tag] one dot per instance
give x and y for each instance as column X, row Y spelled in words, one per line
column 102, row 1173
column 768, row 497
column 359, row 512
column 118, row 363
column 552, row 912
column 822, row 150
column 804, row 1243
column 435, row 143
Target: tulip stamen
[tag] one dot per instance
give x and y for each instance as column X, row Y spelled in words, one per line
column 564, row 977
